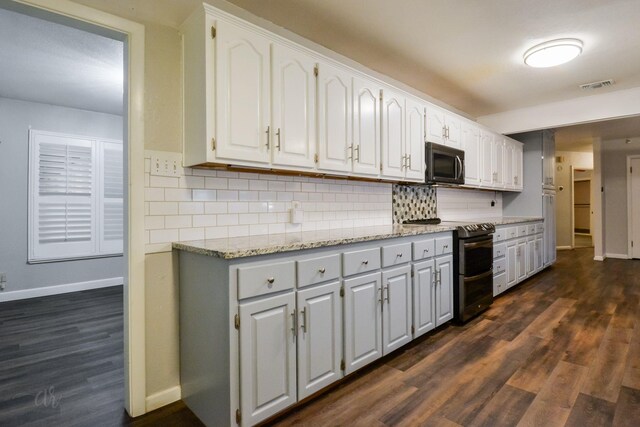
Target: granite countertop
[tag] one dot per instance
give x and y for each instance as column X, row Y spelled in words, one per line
column 239, row 247
column 505, row 220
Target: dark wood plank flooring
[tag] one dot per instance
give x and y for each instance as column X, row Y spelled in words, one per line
column 562, row 348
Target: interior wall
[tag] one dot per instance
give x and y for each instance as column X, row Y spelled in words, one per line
column 16, row 117
column 458, row 204
column 564, row 202
column 614, row 177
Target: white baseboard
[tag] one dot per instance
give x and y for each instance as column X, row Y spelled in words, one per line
column 163, row 398
column 598, row 258
column 60, row 289
column 563, row 248
column 617, row 256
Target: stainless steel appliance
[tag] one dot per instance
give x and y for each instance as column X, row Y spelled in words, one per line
column 473, row 270
column 444, row 165
column 472, row 267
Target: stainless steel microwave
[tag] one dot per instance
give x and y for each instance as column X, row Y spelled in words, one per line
column 445, row 165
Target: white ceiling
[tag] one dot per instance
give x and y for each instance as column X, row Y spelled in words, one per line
column 45, row 62
column 581, row 137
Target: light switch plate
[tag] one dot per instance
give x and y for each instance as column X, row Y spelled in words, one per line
column 166, row 164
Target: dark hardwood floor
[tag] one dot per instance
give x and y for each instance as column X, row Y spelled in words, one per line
column 562, row 348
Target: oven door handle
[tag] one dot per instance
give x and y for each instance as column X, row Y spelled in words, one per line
column 479, row 276
column 483, row 243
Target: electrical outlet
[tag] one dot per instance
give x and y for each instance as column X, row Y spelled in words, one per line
column 166, row 164
column 3, row 280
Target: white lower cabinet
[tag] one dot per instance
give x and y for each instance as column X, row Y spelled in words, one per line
column 362, row 321
column 518, row 254
column 267, row 357
column 444, row 289
column 258, row 336
column 319, row 337
column 424, row 297
column 396, row 308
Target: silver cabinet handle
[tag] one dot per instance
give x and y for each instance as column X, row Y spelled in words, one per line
column 399, row 255
column 268, row 132
column 365, row 262
column 426, row 251
column 386, row 288
column 409, row 158
column 278, row 135
column 350, row 148
column 271, row 280
column 322, row 270
column 303, row 312
column 380, row 299
column 357, row 150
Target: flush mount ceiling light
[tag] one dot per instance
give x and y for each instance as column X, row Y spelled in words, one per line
column 552, row 53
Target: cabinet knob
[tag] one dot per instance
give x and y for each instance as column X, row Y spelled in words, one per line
column 271, row 280
column 426, row 251
column 399, row 255
column 322, row 270
column 365, row 262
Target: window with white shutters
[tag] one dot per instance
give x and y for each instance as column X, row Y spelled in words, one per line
column 75, row 197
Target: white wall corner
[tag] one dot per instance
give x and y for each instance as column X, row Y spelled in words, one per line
column 163, row 398
column 610, row 105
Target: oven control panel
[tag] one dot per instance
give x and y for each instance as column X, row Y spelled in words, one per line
column 472, row 230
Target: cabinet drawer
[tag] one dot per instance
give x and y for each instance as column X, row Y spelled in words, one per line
column 499, row 250
column 396, row 254
column 531, row 229
column 317, row 270
column 360, row 261
column 265, row 279
column 512, row 233
column 444, row 245
column 499, row 266
column 540, row 227
column 500, row 234
column 499, row 284
column 424, row 249
column 522, row 230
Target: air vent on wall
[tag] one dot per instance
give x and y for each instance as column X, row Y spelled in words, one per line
column 597, row 85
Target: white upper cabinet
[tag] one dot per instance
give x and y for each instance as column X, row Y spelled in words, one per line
column 415, row 139
column 335, row 144
column 293, row 99
column 518, row 165
column 255, row 99
column 366, row 127
column 507, row 162
column 470, row 143
column 393, row 160
column 487, row 175
column 443, row 127
column 242, row 95
column 497, row 159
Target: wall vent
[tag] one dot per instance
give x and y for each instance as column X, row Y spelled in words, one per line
column 597, row 85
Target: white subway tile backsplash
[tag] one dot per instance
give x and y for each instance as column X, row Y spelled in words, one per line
column 215, row 207
column 238, row 184
column 164, row 182
column 228, row 219
column 204, row 220
column 163, row 208
column 177, row 194
column 216, row 183
column 238, row 207
column 224, row 195
column 192, row 234
column 210, row 204
column 204, row 195
column 177, row 221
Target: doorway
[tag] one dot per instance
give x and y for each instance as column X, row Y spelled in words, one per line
column 633, row 203
column 582, row 209
column 131, row 35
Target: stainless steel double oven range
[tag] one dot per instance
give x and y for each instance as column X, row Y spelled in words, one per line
column 472, row 267
column 473, row 270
